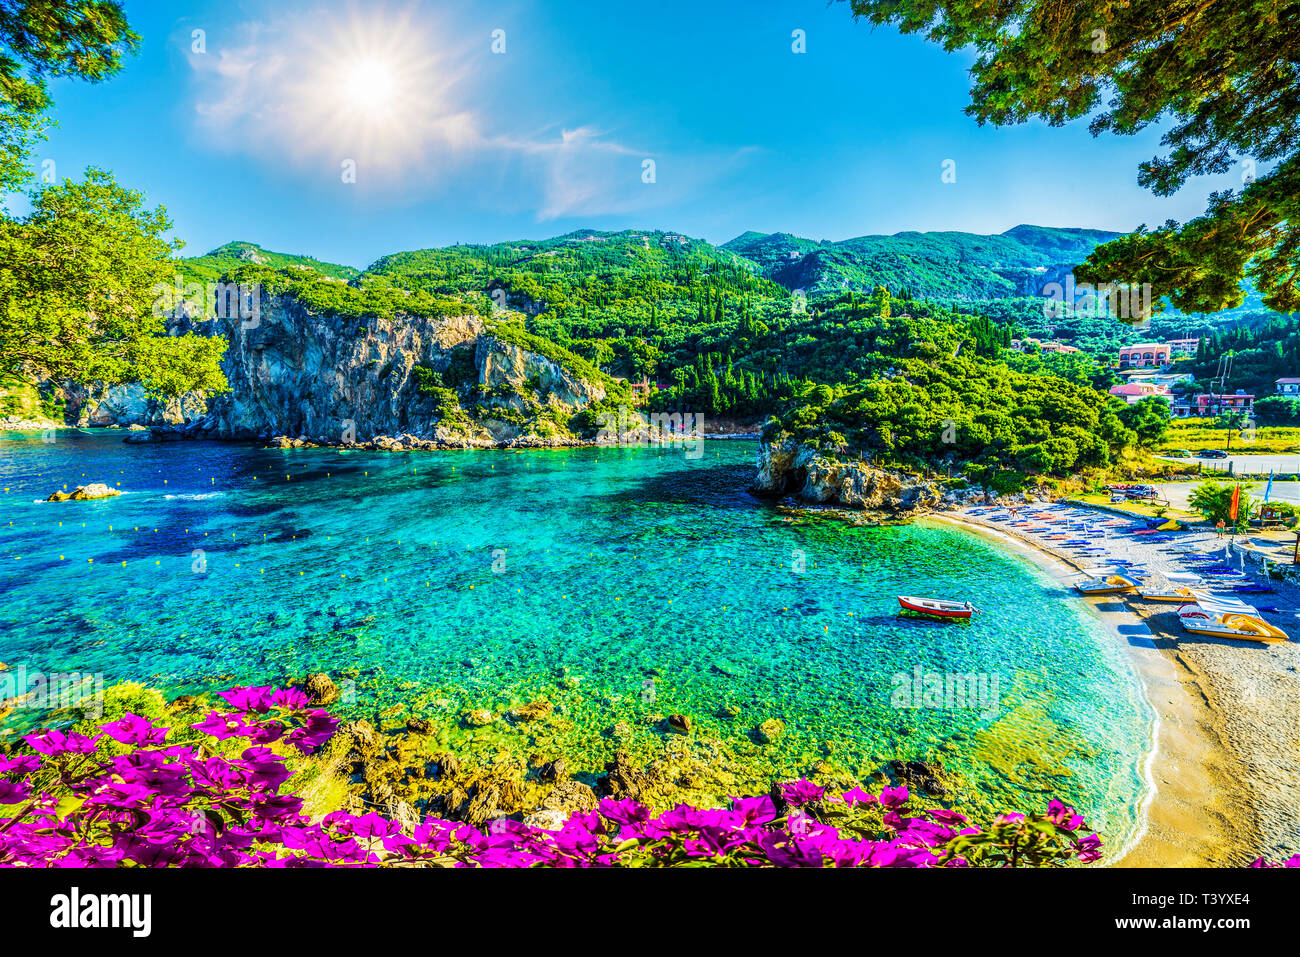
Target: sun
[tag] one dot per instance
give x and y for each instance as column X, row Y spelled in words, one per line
column 369, row 84
column 371, row 88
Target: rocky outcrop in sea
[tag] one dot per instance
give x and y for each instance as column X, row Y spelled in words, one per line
column 800, row 470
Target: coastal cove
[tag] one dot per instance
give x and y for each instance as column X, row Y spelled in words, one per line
column 618, row 585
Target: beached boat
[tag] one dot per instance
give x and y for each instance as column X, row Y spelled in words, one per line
column 1108, row 585
column 937, row 607
column 1172, row 594
column 1227, row 618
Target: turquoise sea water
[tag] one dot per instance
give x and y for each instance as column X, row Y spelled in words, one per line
column 621, row 584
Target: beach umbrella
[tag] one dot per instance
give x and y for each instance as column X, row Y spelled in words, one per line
column 1269, row 487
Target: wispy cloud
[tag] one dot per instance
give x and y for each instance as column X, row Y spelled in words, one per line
column 382, row 90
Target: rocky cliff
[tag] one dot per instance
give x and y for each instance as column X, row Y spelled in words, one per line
column 793, row 468
column 408, row 381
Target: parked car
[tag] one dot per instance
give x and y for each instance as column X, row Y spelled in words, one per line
column 1179, row 454
column 1214, row 454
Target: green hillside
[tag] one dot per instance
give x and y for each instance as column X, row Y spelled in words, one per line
column 212, row 265
column 947, row 265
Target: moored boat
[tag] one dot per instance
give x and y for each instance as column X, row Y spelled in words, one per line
column 938, row 607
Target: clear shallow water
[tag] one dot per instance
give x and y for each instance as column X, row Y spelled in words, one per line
column 620, row 584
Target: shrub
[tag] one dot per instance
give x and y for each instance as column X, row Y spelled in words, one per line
column 1214, row 501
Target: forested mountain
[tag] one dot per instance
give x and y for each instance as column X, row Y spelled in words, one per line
column 881, row 337
column 944, row 265
column 210, row 266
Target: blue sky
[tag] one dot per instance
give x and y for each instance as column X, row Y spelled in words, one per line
column 245, row 135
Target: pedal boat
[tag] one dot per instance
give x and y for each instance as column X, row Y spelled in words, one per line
column 1231, row 625
column 1227, row 618
column 1183, row 595
column 1108, row 585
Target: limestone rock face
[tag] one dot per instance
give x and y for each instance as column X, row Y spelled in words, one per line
column 127, row 405
column 794, row 468
column 331, row 380
column 325, row 379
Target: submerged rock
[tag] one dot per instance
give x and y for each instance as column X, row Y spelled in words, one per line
column 419, row 726
column 562, row 802
column 623, row 779
column 476, row 718
column 321, row 688
column 553, row 771
column 679, row 722
column 770, row 730
column 533, row 711
column 493, row 797
column 920, row 776
column 442, row 766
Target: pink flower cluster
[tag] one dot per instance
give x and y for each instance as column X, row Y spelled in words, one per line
column 71, row 805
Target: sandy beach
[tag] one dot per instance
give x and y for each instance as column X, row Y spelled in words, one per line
column 1224, row 768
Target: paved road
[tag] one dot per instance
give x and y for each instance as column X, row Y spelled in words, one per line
column 1252, row 464
column 1178, row 492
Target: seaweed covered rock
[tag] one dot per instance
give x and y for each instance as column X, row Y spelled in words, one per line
column 533, row 711
column 553, row 771
column 492, row 797
column 622, row 779
column 769, row 731
column 561, row 802
column 922, row 776
column 321, row 688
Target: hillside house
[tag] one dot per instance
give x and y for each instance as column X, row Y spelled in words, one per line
column 1133, row 392
column 1289, row 386
column 1145, row 355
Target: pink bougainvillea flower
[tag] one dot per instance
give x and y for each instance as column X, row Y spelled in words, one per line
column 55, row 742
column 317, row 730
column 626, row 811
column 1089, row 848
column 265, row 768
column 802, row 792
column 1063, row 816
column 755, row 810
column 257, row 700
column 858, row 796
column 951, row 818
column 133, row 729
column 894, row 797
column 12, row 792
column 222, row 726
column 291, row 699
column 22, row 764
